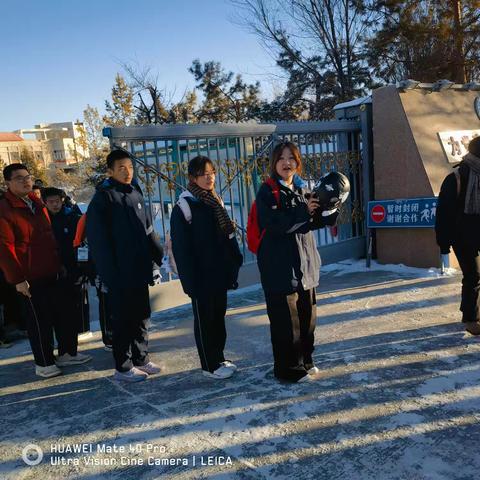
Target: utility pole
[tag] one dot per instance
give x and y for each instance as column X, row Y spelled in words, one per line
column 458, row 58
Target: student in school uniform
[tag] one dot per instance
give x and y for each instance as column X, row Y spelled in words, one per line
column 208, row 259
column 289, row 262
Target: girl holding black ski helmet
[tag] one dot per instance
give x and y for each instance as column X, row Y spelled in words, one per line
column 289, row 262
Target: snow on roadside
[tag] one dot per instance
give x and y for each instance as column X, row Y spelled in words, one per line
column 345, row 267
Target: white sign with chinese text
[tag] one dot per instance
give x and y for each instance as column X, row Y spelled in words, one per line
column 455, row 143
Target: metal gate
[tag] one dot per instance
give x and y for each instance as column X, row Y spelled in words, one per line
column 240, row 153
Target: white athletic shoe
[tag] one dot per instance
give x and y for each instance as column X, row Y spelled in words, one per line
column 48, row 371
column 67, row 359
column 133, row 375
column 221, row 372
column 84, row 337
column 314, row 370
column 150, row 368
column 306, row 378
column 230, row 365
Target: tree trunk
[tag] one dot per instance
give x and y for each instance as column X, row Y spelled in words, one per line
column 458, row 58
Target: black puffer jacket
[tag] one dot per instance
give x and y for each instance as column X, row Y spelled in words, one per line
column 453, row 225
column 64, row 225
column 207, row 261
column 120, row 236
column 288, row 257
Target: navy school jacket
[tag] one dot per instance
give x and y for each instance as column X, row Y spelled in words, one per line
column 288, row 257
column 207, row 261
column 120, row 235
column 64, row 225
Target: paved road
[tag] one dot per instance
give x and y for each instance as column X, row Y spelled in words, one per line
column 397, row 398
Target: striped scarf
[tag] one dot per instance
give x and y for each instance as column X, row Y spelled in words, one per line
column 472, row 198
column 212, row 199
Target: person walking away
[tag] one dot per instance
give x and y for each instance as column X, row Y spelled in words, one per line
column 457, row 226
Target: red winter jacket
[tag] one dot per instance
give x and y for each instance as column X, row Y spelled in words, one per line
column 28, row 250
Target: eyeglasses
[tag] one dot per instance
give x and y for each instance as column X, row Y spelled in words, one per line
column 22, row 178
column 208, row 174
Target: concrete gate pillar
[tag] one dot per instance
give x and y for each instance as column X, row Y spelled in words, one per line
column 409, row 160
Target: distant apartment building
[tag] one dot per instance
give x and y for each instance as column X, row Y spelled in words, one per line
column 61, row 141
column 12, row 146
column 52, row 144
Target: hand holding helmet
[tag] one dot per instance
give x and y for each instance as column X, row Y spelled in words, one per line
column 332, row 190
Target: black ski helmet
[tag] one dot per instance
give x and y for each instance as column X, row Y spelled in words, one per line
column 331, row 188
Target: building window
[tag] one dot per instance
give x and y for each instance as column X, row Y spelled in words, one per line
column 58, row 155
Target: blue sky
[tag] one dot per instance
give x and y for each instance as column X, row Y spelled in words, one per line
column 58, row 56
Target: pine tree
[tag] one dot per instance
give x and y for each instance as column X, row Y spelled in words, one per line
column 227, row 98
column 93, row 166
column 185, row 110
column 318, row 45
column 120, row 110
column 425, row 40
column 35, row 168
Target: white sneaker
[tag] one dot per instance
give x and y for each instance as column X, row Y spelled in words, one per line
column 47, row 372
column 133, row 375
column 230, row 365
column 221, row 372
column 84, row 337
column 306, row 378
column 314, row 370
column 150, row 368
column 67, row 359
column 108, row 348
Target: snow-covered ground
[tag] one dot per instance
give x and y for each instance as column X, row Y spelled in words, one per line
column 397, row 396
column 359, row 266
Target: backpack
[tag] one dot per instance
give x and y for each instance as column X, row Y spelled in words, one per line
column 254, row 235
column 168, row 260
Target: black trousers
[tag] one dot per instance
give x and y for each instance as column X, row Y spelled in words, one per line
column 292, row 328
column 209, row 329
column 2, row 323
column 130, row 317
column 82, row 307
column 469, row 259
column 12, row 310
column 105, row 317
column 49, row 309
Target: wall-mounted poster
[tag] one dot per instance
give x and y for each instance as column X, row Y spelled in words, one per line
column 455, row 143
